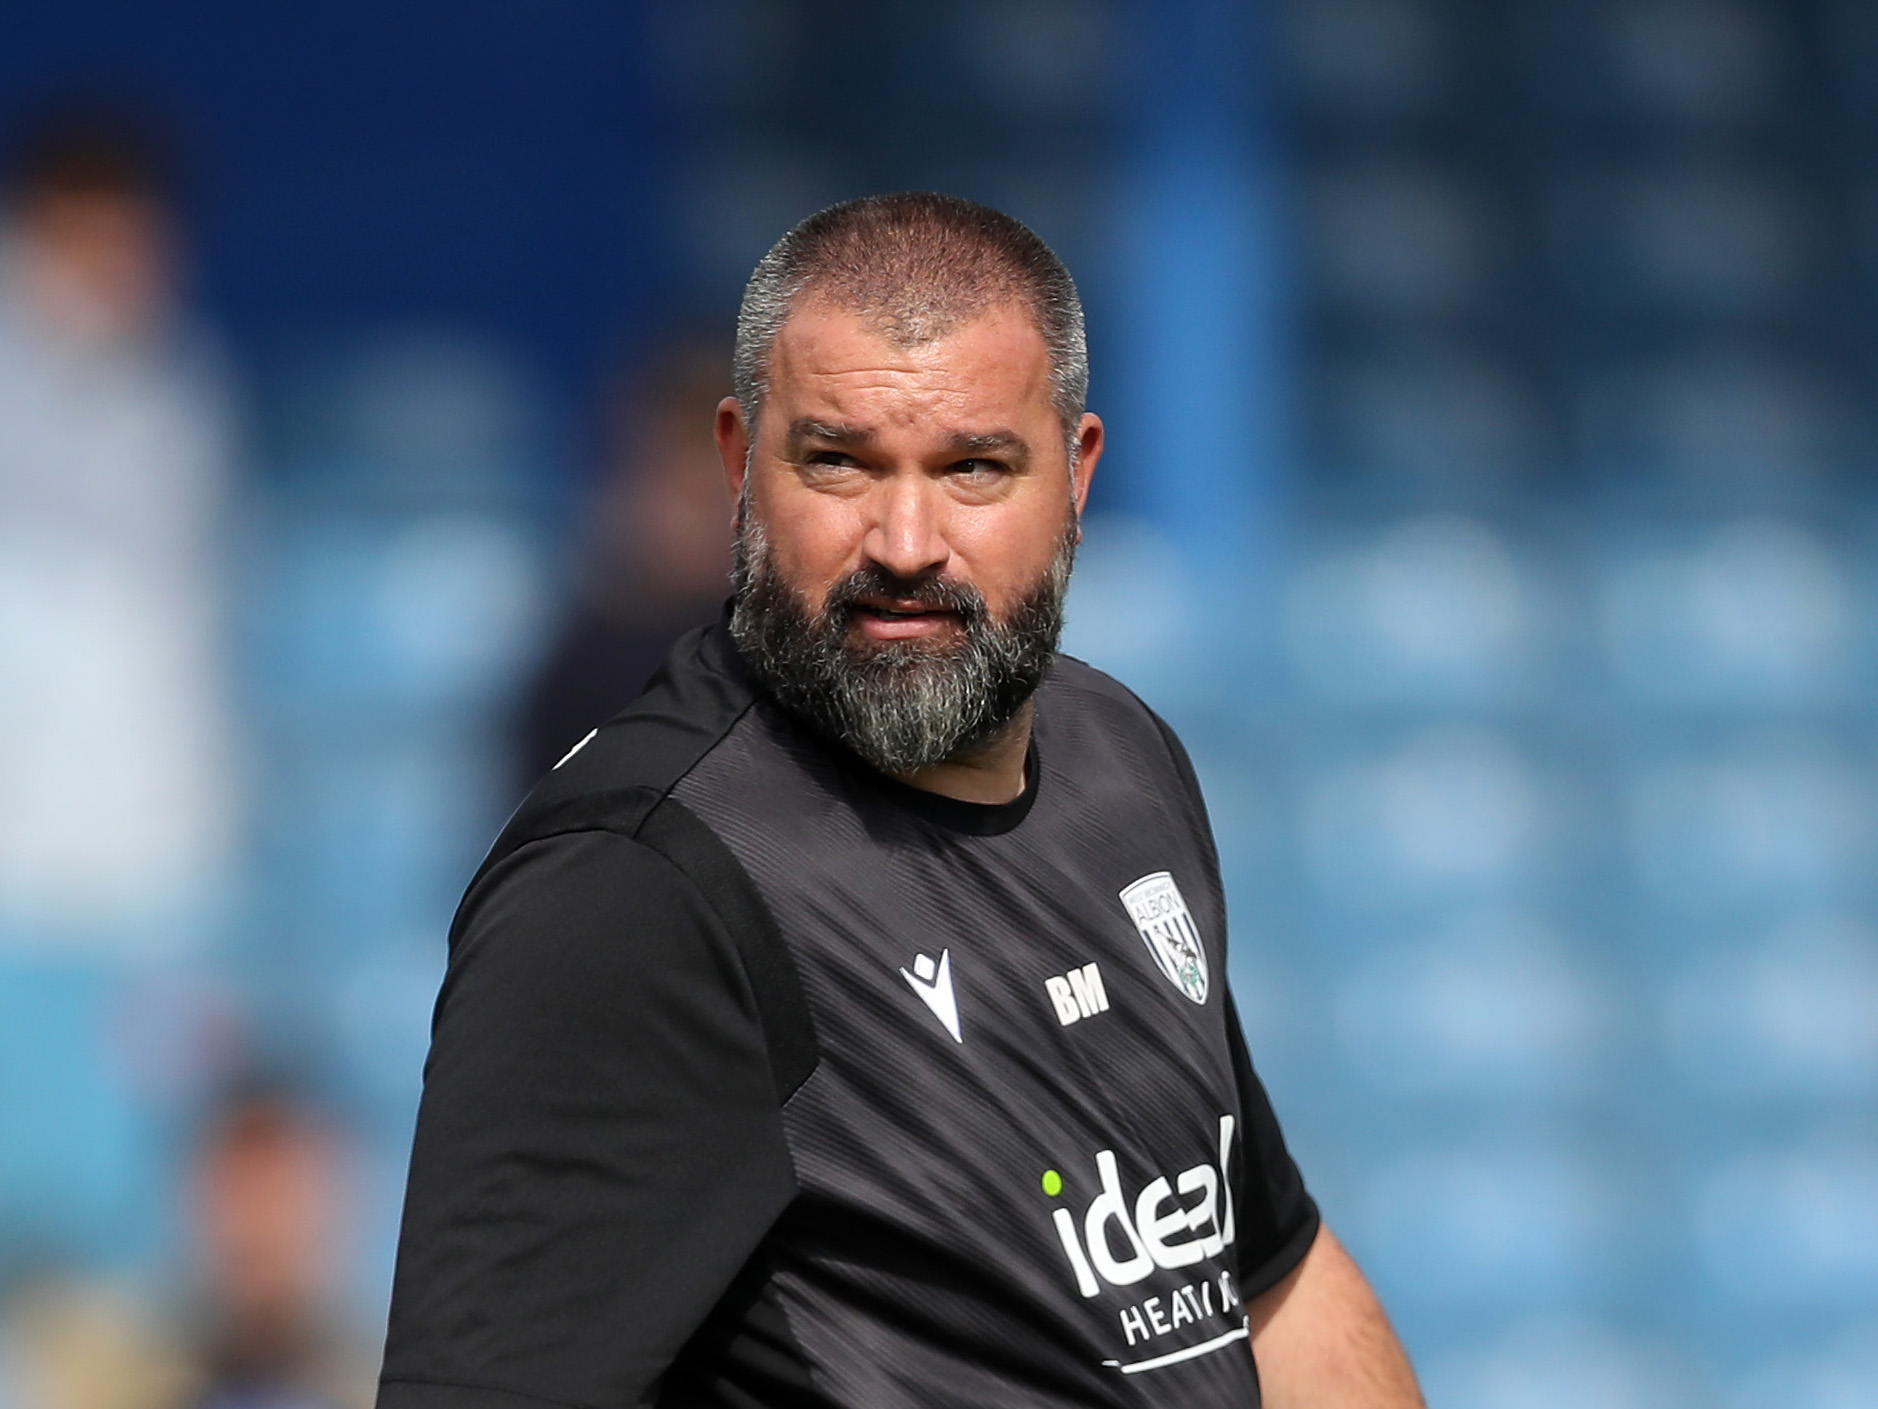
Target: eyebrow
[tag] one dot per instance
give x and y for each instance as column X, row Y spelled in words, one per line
column 806, row 429
column 961, row 443
column 989, row 443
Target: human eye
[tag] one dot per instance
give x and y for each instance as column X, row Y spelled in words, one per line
column 836, row 458
column 979, row 473
column 827, row 466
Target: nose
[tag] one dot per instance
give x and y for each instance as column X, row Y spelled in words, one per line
column 906, row 536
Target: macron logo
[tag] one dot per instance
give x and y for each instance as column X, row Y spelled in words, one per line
column 933, row 983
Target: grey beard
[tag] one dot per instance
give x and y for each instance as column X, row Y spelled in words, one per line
column 899, row 705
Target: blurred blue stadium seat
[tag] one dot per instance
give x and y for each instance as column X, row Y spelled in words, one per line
column 1787, row 1017
column 1439, row 609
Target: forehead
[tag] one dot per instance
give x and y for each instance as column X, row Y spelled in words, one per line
column 835, row 361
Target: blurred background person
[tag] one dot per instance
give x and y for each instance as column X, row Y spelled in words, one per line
column 116, row 780
column 253, row 1316
column 270, row 1237
column 654, row 559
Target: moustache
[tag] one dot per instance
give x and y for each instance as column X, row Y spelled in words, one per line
column 929, row 593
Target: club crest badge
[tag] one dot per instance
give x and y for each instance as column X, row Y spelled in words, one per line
column 1160, row 913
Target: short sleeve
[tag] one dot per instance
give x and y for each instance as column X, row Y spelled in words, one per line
column 599, row 1148
column 1277, row 1218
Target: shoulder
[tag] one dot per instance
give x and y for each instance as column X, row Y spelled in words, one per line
column 597, row 855
column 1097, row 700
column 1099, row 727
column 622, row 772
column 593, row 941
column 604, row 878
column 1079, row 685
column 575, row 925
column 694, row 699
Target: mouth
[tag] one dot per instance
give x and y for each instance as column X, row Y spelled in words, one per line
column 884, row 619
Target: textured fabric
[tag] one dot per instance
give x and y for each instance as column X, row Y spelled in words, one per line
column 598, row 1147
column 1030, row 1163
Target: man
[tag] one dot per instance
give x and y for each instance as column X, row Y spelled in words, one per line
column 845, row 1023
column 117, row 452
column 116, row 446
column 266, row 1198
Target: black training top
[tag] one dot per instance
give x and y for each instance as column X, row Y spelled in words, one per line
column 761, row 1079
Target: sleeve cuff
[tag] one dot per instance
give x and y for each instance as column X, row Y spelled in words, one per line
column 1277, row 1264
column 438, row 1394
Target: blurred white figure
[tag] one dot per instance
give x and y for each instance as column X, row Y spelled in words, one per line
column 115, row 776
column 115, row 450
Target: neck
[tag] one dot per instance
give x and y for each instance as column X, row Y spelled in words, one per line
column 991, row 773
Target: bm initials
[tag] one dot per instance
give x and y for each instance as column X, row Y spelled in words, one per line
column 1077, row 994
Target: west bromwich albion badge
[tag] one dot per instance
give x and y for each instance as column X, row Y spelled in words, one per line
column 1160, row 913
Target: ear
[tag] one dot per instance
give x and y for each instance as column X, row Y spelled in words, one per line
column 1090, row 439
column 733, row 447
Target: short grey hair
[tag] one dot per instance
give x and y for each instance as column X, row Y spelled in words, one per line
column 916, row 266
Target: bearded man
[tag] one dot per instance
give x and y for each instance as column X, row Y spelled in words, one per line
column 845, row 1023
